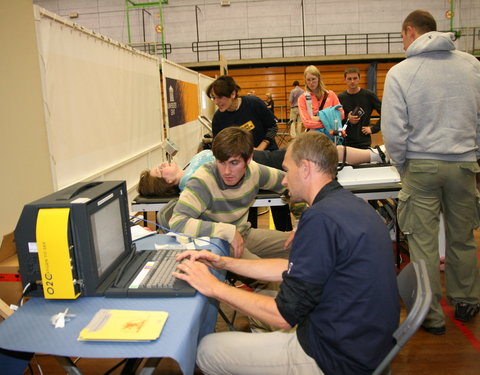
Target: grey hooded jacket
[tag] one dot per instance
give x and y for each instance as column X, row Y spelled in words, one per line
column 431, row 103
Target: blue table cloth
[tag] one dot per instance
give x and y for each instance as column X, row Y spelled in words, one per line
column 190, row 318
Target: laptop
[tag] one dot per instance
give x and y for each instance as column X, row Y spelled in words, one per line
column 147, row 273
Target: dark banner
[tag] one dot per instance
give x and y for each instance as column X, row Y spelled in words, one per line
column 182, row 102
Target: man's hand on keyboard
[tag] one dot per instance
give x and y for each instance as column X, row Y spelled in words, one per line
column 203, row 256
column 194, row 270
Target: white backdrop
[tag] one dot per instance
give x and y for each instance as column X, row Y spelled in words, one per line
column 207, row 106
column 102, row 102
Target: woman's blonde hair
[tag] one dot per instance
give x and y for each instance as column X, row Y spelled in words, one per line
column 313, row 70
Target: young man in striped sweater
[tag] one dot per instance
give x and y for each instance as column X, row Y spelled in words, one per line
column 217, row 197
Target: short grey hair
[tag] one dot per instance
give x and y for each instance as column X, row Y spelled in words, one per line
column 317, row 148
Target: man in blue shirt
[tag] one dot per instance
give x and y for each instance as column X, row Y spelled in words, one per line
column 338, row 303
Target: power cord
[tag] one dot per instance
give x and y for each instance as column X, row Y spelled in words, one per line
column 176, row 233
column 28, row 288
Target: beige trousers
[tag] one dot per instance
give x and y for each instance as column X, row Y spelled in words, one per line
column 296, row 126
column 242, row 353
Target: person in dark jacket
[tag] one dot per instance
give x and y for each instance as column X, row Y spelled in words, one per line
column 338, row 303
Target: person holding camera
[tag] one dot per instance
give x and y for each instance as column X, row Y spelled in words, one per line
column 358, row 103
column 315, row 98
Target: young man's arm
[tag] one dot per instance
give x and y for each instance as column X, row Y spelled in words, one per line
column 377, row 105
column 187, row 213
column 290, row 97
column 270, row 178
column 269, row 124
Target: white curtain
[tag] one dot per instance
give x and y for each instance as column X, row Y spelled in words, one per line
column 102, row 100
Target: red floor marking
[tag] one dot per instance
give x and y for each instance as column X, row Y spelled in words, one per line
column 461, row 326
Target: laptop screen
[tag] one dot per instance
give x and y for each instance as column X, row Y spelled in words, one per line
column 107, row 231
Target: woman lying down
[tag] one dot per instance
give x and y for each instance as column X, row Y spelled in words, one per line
column 168, row 179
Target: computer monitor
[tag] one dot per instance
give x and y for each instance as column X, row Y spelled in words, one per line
column 87, row 225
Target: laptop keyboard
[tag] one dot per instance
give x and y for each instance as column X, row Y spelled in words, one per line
column 161, row 275
column 157, row 272
column 150, row 275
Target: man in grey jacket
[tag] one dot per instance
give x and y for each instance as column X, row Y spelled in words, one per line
column 431, row 127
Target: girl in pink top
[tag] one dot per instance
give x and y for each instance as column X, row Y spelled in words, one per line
column 315, row 87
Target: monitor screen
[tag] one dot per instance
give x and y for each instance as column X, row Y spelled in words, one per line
column 107, row 232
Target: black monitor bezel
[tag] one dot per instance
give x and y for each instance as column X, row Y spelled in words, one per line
column 84, row 246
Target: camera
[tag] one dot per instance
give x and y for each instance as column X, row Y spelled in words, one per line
column 358, row 111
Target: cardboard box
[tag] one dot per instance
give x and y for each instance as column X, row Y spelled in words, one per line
column 8, row 247
column 10, row 280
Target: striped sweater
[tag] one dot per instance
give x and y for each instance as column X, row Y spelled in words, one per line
column 207, row 207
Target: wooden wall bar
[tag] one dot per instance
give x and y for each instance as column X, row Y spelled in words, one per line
column 278, row 81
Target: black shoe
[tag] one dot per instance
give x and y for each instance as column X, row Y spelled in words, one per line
column 466, row 311
column 435, row 330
